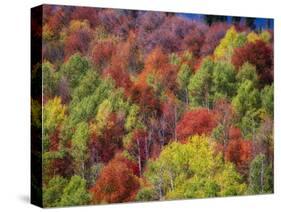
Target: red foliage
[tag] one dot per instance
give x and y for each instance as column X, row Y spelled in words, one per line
column 102, row 53
column 259, row 54
column 62, row 166
column 234, row 133
column 57, row 20
column 117, row 183
column 199, row 121
column 239, row 152
column 157, row 65
column 194, row 40
column 109, row 142
column 82, row 13
column 212, row 38
column 139, row 148
column 143, row 96
column 54, row 141
column 119, row 75
column 77, row 42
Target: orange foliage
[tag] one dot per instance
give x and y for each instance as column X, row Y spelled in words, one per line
column 102, row 53
column 117, row 183
column 239, row 152
column 157, row 65
column 199, row 121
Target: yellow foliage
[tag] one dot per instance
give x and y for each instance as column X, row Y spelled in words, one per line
column 226, row 43
column 76, row 25
column 253, row 37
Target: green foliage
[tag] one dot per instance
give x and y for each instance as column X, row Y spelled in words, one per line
column 193, row 170
column 261, row 176
column 79, row 148
column 53, row 191
column 183, row 79
column 50, row 79
column 87, row 85
column 75, row 193
column 247, row 98
column 200, row 85
column 247, row 72
column 75, row 68
column 132, row 120
column 247, row 104
column 267, row 98
column 224, row 82
column 87, row 107
column 146, row 194
column 104, row 110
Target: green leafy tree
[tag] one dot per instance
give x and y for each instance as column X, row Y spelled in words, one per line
column 200, row 85
column 261, row 176
column 79, row 148
column 50, row 79
column 224, row 82
column 267, row 98
column 53, row 191
column 247, row 98
column 75, row 192
column 183, row 79
column 247, row 104
column 146, row 194
column 75, row 68
column 247, row 72
column 193, row 170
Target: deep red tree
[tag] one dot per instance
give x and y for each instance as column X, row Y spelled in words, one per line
column 117, row 183
column 259, row 54
column 109, row 142
column 199, row 121
column 239, row 152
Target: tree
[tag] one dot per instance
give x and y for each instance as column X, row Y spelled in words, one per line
column 223, row 82
column 192, row 170
column 119, row 75
column 74, row 69
column 117, row 183
column 78, row 38
column 247, row 104
column 200, row 85
column 231, row 40
column 50, row 80
column 260, row 176
column 247, row 72
column 247, row 98
column 212, row 38
column 79, row 148
column 260, row 54
column 240, row 153
column 75, row 192
column 183, row 79
column 146, row 194
column 53, row 191
column 102, row 53
column 106, row 142
column 267, row 99
column 54, row 113
column 199, row 121
column 223, row 132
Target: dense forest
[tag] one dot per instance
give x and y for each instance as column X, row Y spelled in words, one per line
column 145, row 106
